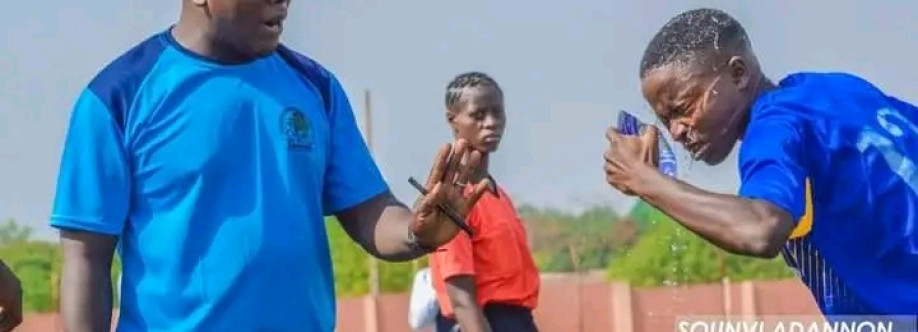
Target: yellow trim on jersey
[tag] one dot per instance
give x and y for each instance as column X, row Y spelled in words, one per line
column 806, row 222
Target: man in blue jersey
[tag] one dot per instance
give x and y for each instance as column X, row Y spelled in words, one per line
column 854, row 146
column 208, row 155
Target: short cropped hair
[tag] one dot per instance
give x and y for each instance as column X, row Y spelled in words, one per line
column 691, row 37
column 467, row 80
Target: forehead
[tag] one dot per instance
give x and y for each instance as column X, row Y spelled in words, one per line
column 480, row 97
column 669, row 86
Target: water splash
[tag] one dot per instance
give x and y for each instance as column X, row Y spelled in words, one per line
column 630, row 125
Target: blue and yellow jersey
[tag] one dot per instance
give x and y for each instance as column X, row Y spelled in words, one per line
column 805, row 224
column 802, row 256
column 839, row 155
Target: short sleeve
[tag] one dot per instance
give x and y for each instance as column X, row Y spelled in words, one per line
column 455, row 258
column 93, row 183
column 351, row 176
column 771, row 163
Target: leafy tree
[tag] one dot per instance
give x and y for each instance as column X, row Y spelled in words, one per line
column 563, row 242
column 351, row 266
column 349, row 261
column 37, row 264
column 11, row 232
column 745, row 268
column 668, row 255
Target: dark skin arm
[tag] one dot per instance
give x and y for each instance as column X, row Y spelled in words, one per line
column 10, row 299
column 382, row 224
column 743, row 226
column 86, row 286
column 463, row 298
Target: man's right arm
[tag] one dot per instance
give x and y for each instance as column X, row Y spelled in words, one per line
column 772, row 195
column 463, row 298
column 86, row 286
column 90, row 208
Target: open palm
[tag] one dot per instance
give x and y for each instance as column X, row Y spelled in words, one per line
column 446, row 186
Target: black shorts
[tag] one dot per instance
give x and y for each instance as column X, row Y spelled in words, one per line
column 501, row 317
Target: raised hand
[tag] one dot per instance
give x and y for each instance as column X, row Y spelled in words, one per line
column 627, row 155
column 446, row 185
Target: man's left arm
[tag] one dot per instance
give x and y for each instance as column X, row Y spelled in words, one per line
column 355, row 191
column 381, row 225
column 759, row 220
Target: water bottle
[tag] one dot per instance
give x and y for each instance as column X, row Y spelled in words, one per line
column 628, row 124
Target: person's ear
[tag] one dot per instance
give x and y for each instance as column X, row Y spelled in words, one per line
column 739, row 72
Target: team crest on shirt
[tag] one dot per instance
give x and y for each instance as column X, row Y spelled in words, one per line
column 296, row 128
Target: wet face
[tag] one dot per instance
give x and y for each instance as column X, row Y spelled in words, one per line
column 251, row 27
column 703, row 110
column 478, row 117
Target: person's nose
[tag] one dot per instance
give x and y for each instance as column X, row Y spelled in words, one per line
column 679, row 131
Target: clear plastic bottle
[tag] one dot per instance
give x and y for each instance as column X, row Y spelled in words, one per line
column 629, row 124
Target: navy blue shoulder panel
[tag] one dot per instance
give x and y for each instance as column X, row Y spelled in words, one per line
column 118, row 83
column 311, row 70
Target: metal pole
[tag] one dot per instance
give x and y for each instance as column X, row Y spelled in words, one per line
column 725, row 282
column 575, row 261
column 370, row 310
column 368, row 127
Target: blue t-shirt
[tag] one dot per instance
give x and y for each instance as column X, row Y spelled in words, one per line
column 857, row 147
column 216, row 179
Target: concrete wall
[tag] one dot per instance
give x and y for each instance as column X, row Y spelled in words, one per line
column 581, row 304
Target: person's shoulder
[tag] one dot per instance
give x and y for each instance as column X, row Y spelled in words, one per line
column 303, row 62
column 810, row 94
column 131, row 65
column 120, row 79
column 824, row 82
column 312, row 71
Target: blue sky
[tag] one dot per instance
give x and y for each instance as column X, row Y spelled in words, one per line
column 566, row 67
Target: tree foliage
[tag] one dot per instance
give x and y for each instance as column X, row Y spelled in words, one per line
column 11, row 233
column 563, row 242
column 37, row 264
column 645, row 247
column 352, row 266
column 670, row 255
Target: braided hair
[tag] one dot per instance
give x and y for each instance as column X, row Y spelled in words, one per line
column 467, row 80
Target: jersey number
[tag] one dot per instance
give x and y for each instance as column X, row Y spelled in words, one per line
column 895, row 125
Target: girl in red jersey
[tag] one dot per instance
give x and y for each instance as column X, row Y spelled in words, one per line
column 487, row 282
